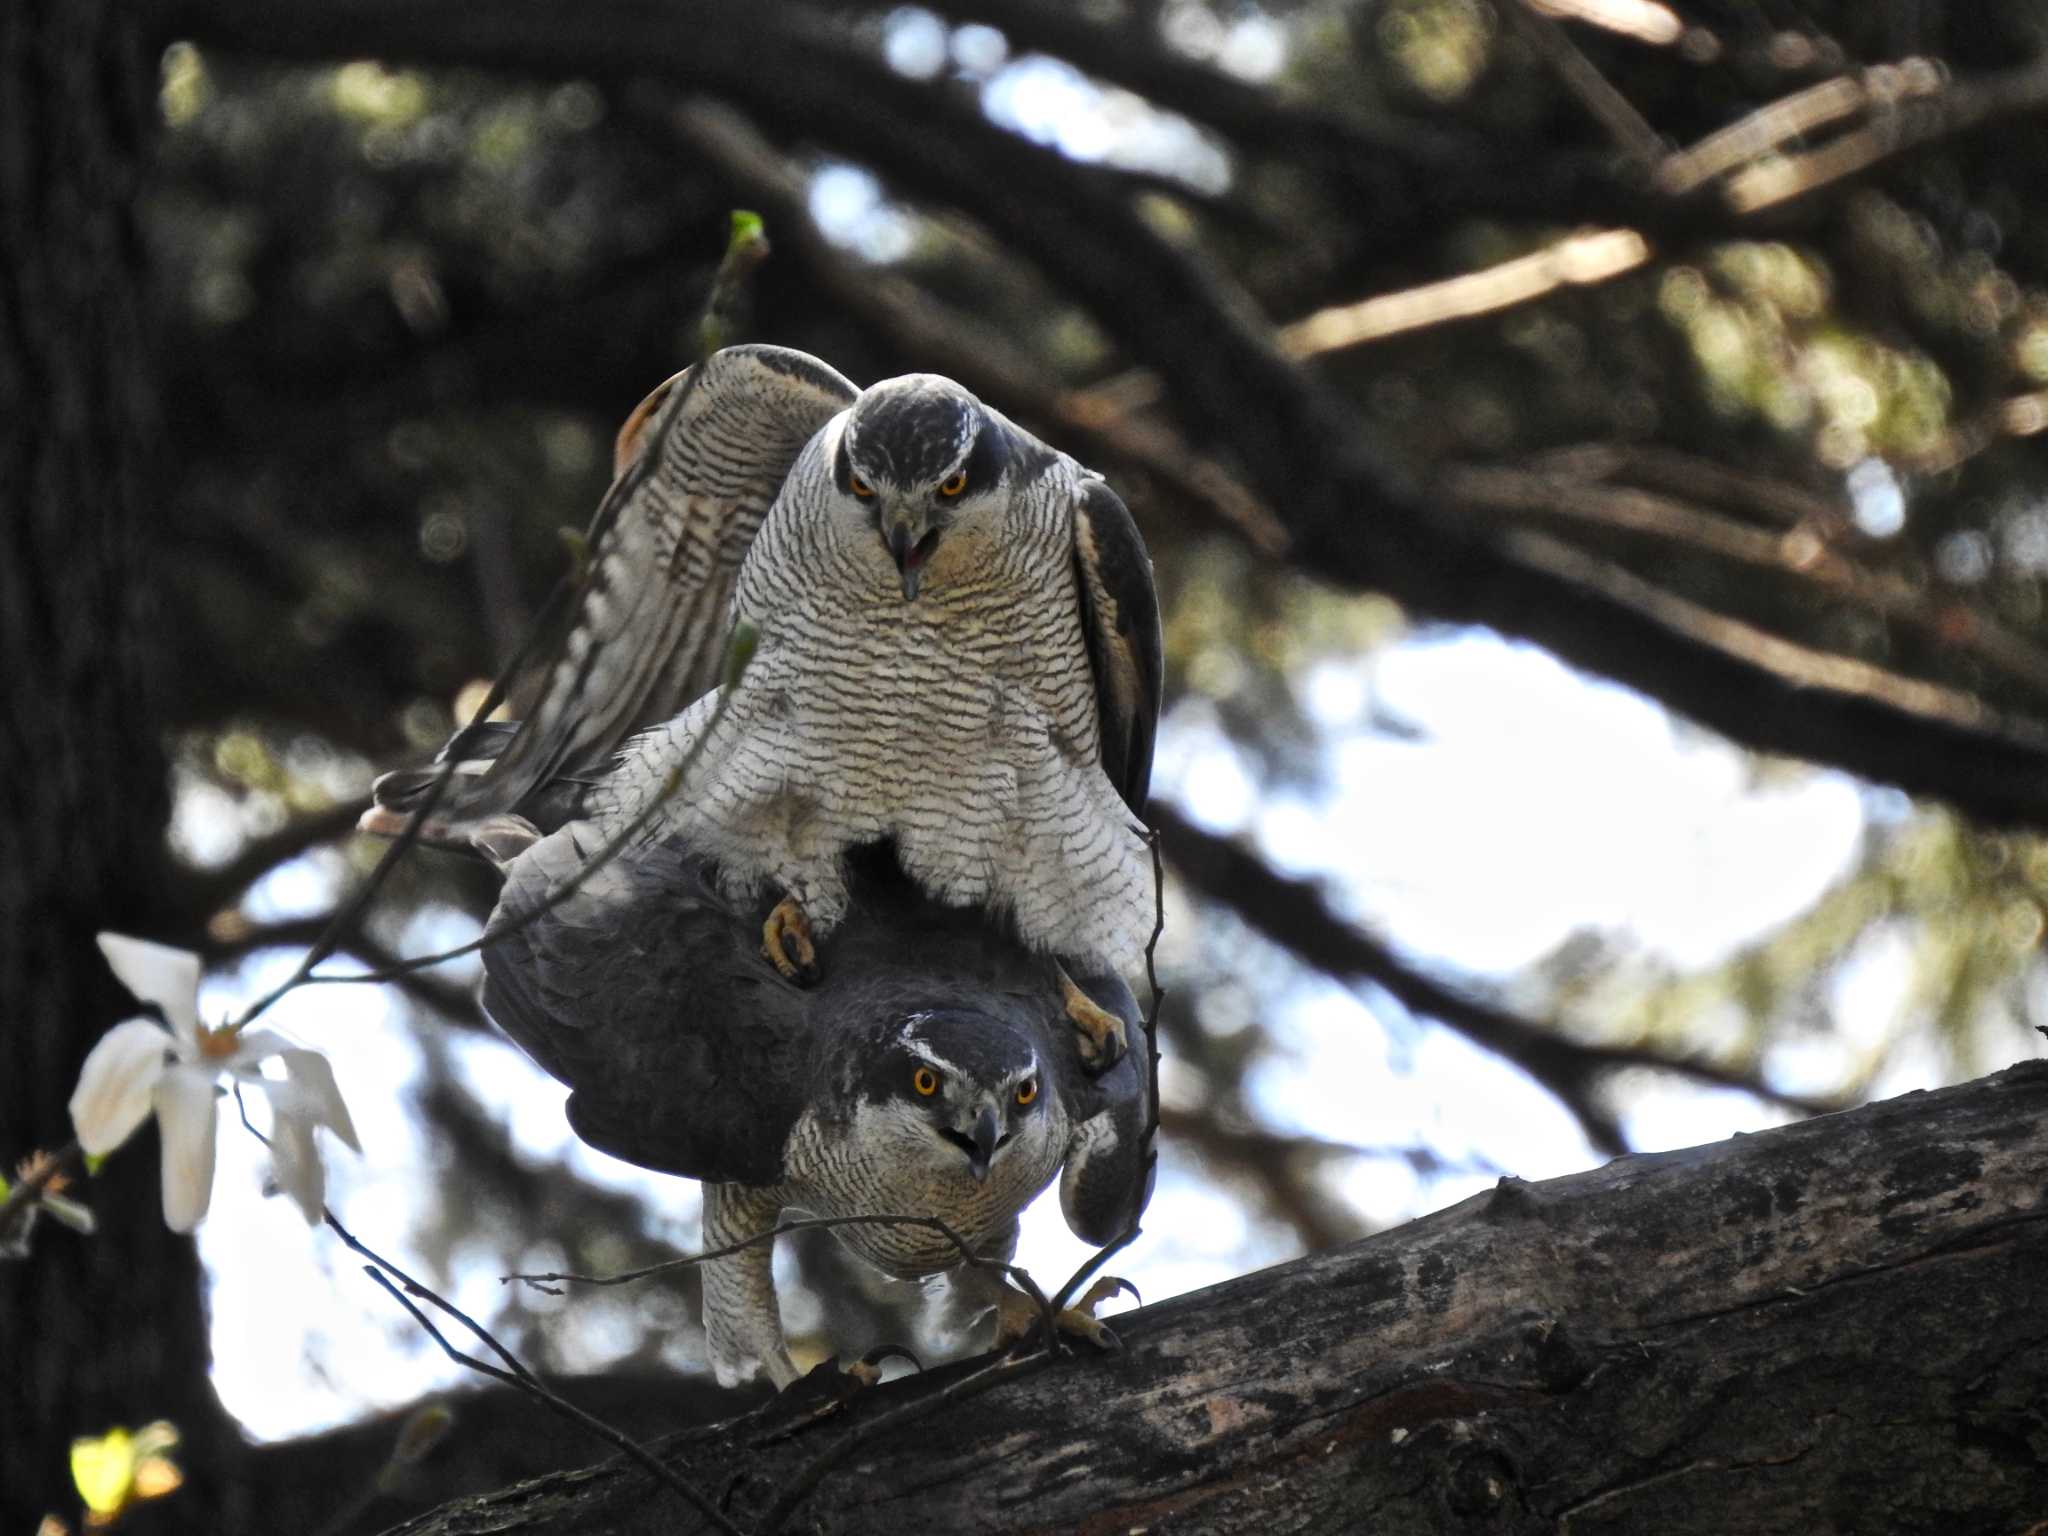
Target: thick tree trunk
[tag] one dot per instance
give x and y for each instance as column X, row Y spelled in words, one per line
column 1833, row 1327
column 107, row 1331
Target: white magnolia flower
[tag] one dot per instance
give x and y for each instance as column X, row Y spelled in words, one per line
column 139, row 1068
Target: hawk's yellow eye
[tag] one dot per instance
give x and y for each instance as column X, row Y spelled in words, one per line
column 925, row 1081
column 1027, row 1090
column 955, row 484
column 859, row 487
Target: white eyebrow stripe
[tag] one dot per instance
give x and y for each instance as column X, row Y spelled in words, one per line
column 930, row 1057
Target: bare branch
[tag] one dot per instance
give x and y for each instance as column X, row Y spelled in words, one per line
column 514, row 1374
column 208, row 890
column 1614, row 112
column 1294, row 915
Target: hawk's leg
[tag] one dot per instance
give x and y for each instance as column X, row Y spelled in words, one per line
column 1103, row 1041
column 1017, row 1314
column 742, row 1323
column 786, row 941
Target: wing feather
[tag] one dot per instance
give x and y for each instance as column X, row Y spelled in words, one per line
column 698, row 464
column 1120, row 617
column 644, row 992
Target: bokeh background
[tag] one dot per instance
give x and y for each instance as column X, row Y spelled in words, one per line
column 1601, row 535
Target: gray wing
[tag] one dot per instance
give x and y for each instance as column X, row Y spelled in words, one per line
column 645, row 992
column 698, row 464
column 1120, row 617
column 1107, row 1152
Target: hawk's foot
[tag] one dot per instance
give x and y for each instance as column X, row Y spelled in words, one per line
column 1017, row 1314
column 1103, row 1041
column 867, row 1370
column 786, row 942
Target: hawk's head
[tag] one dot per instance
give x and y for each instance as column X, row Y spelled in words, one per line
column 921, row 456
column 966, row 1087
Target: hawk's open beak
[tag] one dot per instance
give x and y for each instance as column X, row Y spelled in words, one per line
column 986, row 1134
column 909, row 552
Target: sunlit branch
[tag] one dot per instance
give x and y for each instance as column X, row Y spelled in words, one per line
column 1643, row 20
column 1800, row 555
column 1594, row 256
column 1797, row 665
column 1905, row 106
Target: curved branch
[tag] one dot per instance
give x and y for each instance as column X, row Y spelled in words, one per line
column 1826, row 1319
column 206, row 891
column 1355, row 515
column 1295, row 915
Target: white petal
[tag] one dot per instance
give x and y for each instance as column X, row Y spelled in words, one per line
column 310, row 1071
column 184, row 1118
column 295, row 1162
column 252, row 1047
column 158, row 974
column 116, row 1084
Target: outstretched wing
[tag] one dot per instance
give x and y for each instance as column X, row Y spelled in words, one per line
column 645, row 992
column 698, row 464
column 1120, row 616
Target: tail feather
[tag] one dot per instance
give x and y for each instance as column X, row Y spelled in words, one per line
column 395, row 797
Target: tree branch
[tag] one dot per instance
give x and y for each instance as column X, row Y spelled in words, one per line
column 1355, row 515
column 1294, row 915
column 206, row 891
column 1787, row 1330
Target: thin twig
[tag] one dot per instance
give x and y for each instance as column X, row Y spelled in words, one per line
column 515, row 1374
column 27, row 1192
column 738, row 655
column 1604, row 103
column 540, row 1282
column 350, row 914
column 743, row 253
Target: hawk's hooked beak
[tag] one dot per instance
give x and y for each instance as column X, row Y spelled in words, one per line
column 909, row 547
column 985, row 1138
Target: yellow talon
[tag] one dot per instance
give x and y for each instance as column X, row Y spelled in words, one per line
column 786, row 942
column 1017, row 1315
column 1103, row 1041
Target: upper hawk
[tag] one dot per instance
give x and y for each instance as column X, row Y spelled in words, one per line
column 959, row 651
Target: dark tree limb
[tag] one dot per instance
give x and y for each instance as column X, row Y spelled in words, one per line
column 1830, row 1327
column 1294, row 915
column 1355, row 515
column 205, row 892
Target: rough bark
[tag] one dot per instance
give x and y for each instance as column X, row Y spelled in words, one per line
column 107, row 1331
column 1829, row 1327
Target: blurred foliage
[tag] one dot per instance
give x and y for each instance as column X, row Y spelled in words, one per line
column 403, row 312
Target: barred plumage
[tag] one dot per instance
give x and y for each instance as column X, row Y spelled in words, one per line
column 963, row 724
column 959, row 652
column 696, row 1058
